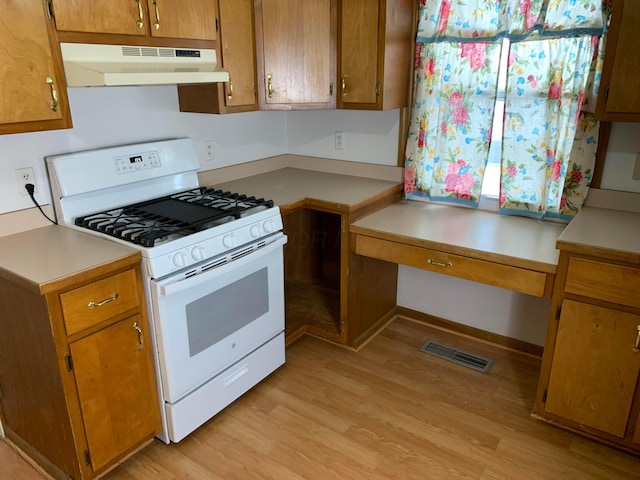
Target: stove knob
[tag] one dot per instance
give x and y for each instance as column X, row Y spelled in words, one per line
column 269, row 226
column 198, row 253
column 180, row 260
column 256, row 231
column 229, row 240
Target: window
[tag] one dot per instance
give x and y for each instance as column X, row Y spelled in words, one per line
column 528, row 69
column 491, row 180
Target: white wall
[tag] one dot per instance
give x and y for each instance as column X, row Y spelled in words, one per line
column 370, row 137
column 104, row 116
column 621, row 156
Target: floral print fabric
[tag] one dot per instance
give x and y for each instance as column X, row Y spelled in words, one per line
column 550, row 134
column 486, row 20
column 578, row 16
column 448, row 144
column 545, row 90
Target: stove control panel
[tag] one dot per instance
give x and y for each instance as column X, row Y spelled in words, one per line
column 136, row 162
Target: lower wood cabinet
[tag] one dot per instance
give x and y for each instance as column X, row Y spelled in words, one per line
column 330, row 291
column 591, row 363
column 78, row 382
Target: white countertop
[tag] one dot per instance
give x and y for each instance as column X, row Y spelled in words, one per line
column 45, row 258
column 604, row 232
column 480, row 234
column 288, row 186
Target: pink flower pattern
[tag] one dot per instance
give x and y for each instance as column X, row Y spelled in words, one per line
column 444, row 155
column 459, row 184
column 544, row 174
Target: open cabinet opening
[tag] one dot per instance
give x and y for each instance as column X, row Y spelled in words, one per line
column 312, row 273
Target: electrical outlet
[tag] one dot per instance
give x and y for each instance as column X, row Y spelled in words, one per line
column 208, row 150
column 24, row 176
column 339, row 140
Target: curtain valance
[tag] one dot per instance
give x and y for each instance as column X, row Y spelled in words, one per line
column 487, row 20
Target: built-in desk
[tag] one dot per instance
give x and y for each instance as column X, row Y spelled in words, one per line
column 510, row 252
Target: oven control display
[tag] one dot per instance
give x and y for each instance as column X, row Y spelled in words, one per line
column 137, row 162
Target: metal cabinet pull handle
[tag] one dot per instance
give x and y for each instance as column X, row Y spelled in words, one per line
column 431, row 261
column 137, row 328
column 637, row 347
column 269, row 86
column 54, row 94
column 344, row 85
column 230, row 95
column 156, row 24
column 140, row 23
column 112, row 298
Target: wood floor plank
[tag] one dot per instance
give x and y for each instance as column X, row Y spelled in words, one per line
column 387, row 412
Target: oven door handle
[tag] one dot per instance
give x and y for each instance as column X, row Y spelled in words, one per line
column 190, row 282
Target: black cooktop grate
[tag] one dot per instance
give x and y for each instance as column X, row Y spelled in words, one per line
column 173, row 216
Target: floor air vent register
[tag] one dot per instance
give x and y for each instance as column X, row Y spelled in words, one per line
column 455, row 355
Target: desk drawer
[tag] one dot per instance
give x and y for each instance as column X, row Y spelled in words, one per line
column 98, row 301
column 490, row 273
column 604, row 281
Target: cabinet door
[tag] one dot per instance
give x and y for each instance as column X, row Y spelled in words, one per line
column 595, row 368
column 116, row 385
column 128, row 17
column 238, row 52
column 297, row 40
column 31, row 80
column 376, row 45
column 359, row 51
column 619, row 98
column 237, row 55
column 190, row 19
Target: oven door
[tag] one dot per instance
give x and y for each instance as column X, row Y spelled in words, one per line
column 206, row 322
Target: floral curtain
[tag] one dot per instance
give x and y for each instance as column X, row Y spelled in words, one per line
column 545, row 89
column 549, row 136
column 449, row 145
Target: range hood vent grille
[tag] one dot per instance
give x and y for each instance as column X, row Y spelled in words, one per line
column 96, row 65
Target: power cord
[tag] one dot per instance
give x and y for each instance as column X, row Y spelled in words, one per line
column 31, row 188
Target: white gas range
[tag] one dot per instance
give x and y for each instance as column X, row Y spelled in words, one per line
column 212, row 266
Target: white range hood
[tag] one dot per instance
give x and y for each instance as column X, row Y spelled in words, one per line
column 89, row 65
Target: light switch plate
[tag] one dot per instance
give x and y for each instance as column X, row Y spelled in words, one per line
column 636, row 167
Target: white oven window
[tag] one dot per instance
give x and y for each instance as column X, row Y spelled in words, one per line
column 225, row 311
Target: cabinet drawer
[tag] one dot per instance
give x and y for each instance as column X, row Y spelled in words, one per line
column 604, row 281
column 98, row 301
column 498, row 275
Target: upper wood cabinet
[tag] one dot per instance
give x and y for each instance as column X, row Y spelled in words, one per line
column 34, row 93
column 237, row 55
column 619, row 97
column 375, row 52
column 296, row 51
column 187, row 19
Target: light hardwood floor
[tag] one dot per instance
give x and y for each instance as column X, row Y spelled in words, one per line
column 386, row 412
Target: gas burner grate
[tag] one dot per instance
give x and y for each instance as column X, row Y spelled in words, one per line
column 173, row 216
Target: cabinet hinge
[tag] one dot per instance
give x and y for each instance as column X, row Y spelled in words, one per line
column 331, row 89
column 50, row 11
column 1, row 395
column 558, row 313
column 217, row 25
column 378, row 89
column 606, row 94
column 87, row 458
column 544, row 396
column 69, row 361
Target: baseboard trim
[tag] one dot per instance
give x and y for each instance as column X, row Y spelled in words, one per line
column 470, row 332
